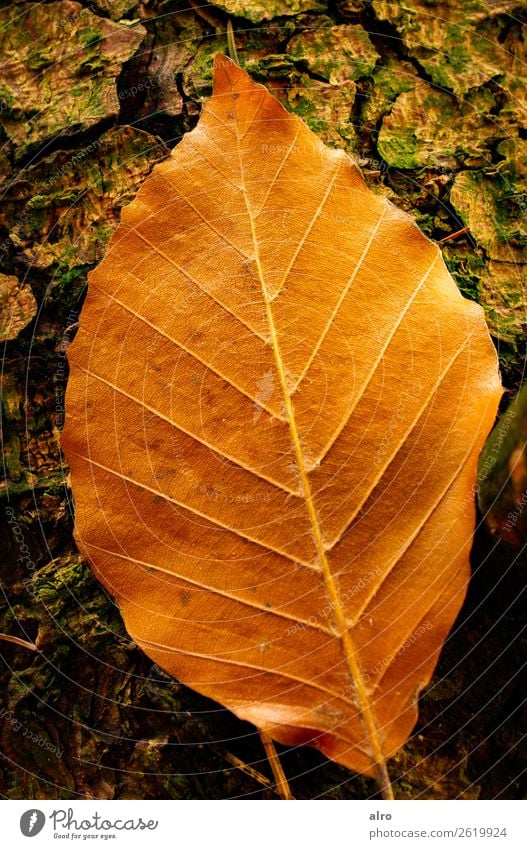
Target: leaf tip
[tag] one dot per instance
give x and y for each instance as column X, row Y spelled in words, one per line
column 223, row 64
column 228, row 76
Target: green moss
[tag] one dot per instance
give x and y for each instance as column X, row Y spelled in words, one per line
column 89, row 36
column 325, row 108
column 389, row 81
column 65, row 80
column 467, row 268
column 485, row 203
column 116, row 8
column 427, row 127
column 76, row 197
column 68, row 587
column 11, row 399
column 270, row 66
column 459, row 58
column 336, row 54
column 11, row 454
column 455, row 45
column 264, row 10
column 197, row 76
column 37, row 60
column 6, row 99
column 400, row 150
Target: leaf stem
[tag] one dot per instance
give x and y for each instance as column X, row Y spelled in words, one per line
column 347, row 642
column 282, row 784
column 349, row 649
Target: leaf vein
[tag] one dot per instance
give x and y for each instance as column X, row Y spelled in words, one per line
column 214, row 229
column 274, row 611
column 193, row 280
column 246, row 665
column 193, row 436
column 308, row 229
column 348, row 647
column 375, row 365
column 184, row 506
column 188, row 351
column 415, row 533
column 411, row 427
column 341, row 300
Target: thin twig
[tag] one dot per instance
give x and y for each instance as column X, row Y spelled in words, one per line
column 243, row 767
column 279, row 775
column 18, row 641
column 454, row 235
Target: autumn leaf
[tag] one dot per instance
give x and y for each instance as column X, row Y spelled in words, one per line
column 276, row 404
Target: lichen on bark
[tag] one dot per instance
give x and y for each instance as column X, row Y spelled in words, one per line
column 60, row 65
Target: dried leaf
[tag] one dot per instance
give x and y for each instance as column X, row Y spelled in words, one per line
column 277, row 400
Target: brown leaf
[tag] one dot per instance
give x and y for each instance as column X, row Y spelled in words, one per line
column 277, row 400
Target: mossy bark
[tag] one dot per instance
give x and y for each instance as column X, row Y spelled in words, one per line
column 433, row 112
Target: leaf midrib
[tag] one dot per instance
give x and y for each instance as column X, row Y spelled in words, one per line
column 348, row 647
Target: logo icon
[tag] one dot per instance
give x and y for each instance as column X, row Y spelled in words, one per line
column 32, row 822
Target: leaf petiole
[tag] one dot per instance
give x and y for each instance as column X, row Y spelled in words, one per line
column 282, row 784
